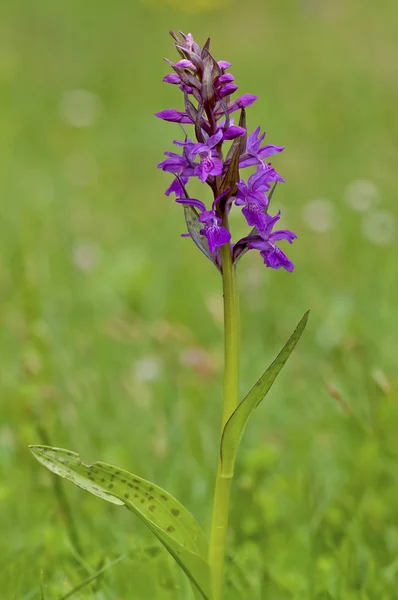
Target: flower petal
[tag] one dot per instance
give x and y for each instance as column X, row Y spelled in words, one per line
column 176, row 188
column 208, row 166
column 282, row 234
column 254, row 141
column 242, row 102
column 277, row 259
column 214, row 139
column 226, row 78
column 192, row 202
column 269, row 150
column 185, row 64
column 227, row 90
column 173, row 115
column 216, row 236
column 254, row 214
column 224, row 64
column 172, row 78
column 233, row 132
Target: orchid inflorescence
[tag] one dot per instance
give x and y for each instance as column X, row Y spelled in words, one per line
column 207, row 89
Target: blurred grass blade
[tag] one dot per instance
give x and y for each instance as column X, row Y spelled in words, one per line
column 168, row 520
column 235, row 426
column 42, row 597
column 91, row 578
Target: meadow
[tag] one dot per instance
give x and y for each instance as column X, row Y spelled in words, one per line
column 111, row 340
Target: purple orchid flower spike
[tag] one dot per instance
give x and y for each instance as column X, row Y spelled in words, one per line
column 216, row 157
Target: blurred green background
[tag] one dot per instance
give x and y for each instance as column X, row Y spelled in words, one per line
column 111, row 324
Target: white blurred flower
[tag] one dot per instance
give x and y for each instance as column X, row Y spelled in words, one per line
column 319, row 215
column 379, row 227
column 86, row 256
column 146, row 369
column 80, row 108
column 361, row 195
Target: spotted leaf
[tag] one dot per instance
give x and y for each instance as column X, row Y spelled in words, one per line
column 167, row 518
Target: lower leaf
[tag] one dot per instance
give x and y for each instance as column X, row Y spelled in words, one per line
column 167, row 518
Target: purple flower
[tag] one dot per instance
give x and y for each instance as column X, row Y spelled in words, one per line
column 227, row 90
column 232, row 132
column 171, row 78
column 253, row 199
column 265, row 242
column 242, row 102
column 254, row 154
column 224, row 64
column 176, row 187
column 185, row 64
column 209, row 163
column 176, row 164
column 225, row 78
column 173, row 115
column 216, row 234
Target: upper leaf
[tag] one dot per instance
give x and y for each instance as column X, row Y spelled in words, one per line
column 231, row 177
column 235, row 426
column 167, row 518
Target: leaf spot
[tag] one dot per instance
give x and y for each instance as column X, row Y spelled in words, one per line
column 175, row 512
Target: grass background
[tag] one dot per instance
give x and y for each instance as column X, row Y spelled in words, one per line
column 110, row 323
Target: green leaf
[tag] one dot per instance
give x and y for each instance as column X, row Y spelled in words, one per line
column 235, row 426
column 167, row 518
column 237, row 148
column 194, row 228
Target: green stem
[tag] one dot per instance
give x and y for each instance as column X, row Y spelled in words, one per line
column 231, row 396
